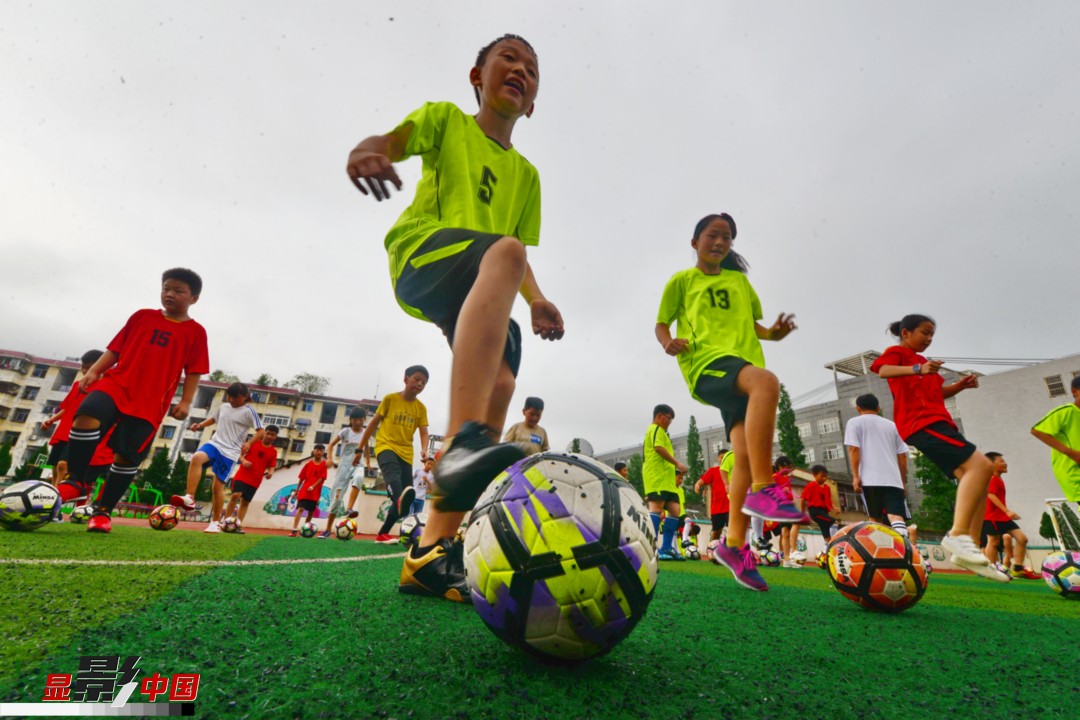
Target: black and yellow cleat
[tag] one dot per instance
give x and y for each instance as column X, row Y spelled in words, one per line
column 465, row 470
column 440, row 572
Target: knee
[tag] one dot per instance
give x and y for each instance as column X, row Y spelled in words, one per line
column 505, row 383
column 509, row 254
column 85, row 422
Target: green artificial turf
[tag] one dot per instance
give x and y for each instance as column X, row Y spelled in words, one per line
column 336, row 640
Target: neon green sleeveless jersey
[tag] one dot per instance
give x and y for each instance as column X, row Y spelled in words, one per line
column 716, row 314
column 468, row 181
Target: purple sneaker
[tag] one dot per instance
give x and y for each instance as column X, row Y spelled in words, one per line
column 770, row 503
column 741, row 563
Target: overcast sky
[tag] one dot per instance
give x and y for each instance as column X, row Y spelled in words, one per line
column 879, row 159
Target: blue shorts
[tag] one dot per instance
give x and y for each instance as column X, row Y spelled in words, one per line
column 220, row 465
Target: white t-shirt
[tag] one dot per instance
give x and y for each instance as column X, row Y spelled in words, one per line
column 421, row 481
column 879, row 444
column 350, row 443
column 232, row 428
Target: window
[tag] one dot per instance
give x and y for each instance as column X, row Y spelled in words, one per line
column 189, row 445
column 322, row 437
column 329, row 412
column 280, row 420
column 808, row 453
column 833, row 452
column 40, row 371
column 168, row 431
column 51, row 408
column 297, row 446
column 804, row 430
column 1055, row 386
column 282, row 400
column 20, row 415
column 30, row 392
column 10, row 438
column 281, row 443
column 258, row 397
column 309, row 406
column 828, row 425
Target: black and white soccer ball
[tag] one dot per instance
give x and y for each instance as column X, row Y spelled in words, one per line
column 28, row 505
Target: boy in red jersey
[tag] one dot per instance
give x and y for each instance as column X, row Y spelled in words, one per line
column 135, row 380
column 312, row 477
column 719, row 505
column 259, row 464
column 816, row 501
column 999, row 522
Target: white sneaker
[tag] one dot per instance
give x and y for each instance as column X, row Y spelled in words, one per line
column 213, row 527
column 793, row 565
column 964, row 551
column 992, row 571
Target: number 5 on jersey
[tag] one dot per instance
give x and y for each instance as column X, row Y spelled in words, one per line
column 488, row 181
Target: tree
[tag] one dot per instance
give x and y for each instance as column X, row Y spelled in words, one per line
column 575, row 446
column 5, row 458
column 309, row 384
column 157, row 472
column 694, row 457
column 1046, row 530
column 177, row 483
column 265, row 380
column 26, row 471
column 222, row 376
column 939, row 496
column 790, row 442
column 633, row 473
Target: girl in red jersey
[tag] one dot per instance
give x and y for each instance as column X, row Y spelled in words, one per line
column 919, row 393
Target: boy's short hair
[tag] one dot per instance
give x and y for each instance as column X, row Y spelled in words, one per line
column 868, row 401
column 90, row 357
column 619, row 466
column 271, row 429
column 357, row 413
column 663, row 409
column 481, row 57
column 237, row 389
column 819, row 469
column 695, row 531
column 194, row 282
column 782, row 461
column 992, row 456
column 534, row 403
column 319, row 446
column 413, row 369
column 1075, row 383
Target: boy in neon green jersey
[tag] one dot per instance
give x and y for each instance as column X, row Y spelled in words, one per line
column 457, row 259
column 1060, row 429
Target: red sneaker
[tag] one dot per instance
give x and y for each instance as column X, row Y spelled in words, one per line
column 99, row 522
column 385, row 539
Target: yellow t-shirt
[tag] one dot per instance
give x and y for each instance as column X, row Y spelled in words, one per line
column 1064, row 424
column 533, row 440
column 400, row 419
column 657, row 473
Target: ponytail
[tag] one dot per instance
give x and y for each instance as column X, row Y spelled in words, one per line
column 909, row 323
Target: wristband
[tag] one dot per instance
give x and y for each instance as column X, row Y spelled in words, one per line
column 916, row 369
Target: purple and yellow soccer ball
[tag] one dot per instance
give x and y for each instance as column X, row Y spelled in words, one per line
column 412, row 527
column 769, row 558
column 560, row 557
column 344, row 529
column 81, row 514
column 1061, row 571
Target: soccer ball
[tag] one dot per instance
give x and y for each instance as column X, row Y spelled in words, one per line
column 692, row 553
column 560, row 557
column 81, row 514
column 876, row 567
column 1003, row 570
column 231, row 524
column 164, row 517
column 28, row 505
column 927, row 565
column 411, row 529
column 1061, row 571
column 770, row 558
column 713, row 544
column 823, row 560
column 309, row 529
column 344, row 529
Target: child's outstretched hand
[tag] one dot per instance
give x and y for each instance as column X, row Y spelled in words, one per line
column 968, row 381
column 374, row 168
column 782, row 327
column 547, row 321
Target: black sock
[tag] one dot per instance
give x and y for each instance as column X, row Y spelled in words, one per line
column 116, row 484
column 81, row 447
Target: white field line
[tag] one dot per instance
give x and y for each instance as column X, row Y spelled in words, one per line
column 195, row 563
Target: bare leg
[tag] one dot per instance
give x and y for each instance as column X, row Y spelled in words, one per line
column 974, row 477
column 991, row 550
column 243, row 509
column 740, row 483
column 218, row 500
column 230, row 509
column 763, row 390
column 195, row 470
column 1019, row 549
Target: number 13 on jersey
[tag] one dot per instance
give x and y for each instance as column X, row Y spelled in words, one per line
column 719, row 298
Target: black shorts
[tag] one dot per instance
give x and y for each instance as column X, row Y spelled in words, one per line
column 437, row 286
column 716, row 386
column 998, row 527
column 58, row 453
column 885, row 500
column 246, row 491
column 943, row 444
column 306, row 505
column 663, row 496
column 821, row 516
column 719, row 521
column 132, row 436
